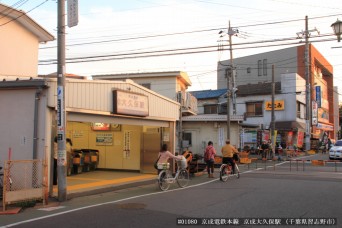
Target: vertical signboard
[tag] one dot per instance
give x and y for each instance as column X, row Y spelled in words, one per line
column 61, row 155
column 72, row 13
column 314, row 113
column 318, row 96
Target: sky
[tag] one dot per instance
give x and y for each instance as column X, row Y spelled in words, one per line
column 130, row 36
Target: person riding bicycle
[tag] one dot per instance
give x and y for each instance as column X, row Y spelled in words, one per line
column 228, row 152
column 164, row 156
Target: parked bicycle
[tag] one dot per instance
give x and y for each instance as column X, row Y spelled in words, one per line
column 226, row 171
column 165, row 177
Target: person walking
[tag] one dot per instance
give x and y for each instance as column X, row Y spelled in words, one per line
column 209, row 158
column 228, row 152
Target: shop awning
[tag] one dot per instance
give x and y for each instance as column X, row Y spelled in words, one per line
column 289, row 126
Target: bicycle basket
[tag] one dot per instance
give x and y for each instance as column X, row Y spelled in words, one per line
column 163, row 165
column 182, row 163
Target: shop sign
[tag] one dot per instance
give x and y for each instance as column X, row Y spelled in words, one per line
column 278, row 105
column 300, row 138
column 318, row 96
column 314, row 113
column 100, row 126
column 325, row 127
column 128, row 103
column 105, row 139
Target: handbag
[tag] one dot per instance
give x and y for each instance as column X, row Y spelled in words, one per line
column 156, row 163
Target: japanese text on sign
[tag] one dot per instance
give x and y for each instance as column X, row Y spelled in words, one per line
column 278, row 105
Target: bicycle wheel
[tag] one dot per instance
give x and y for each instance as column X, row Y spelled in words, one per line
column 224, row 172
column 162, row 181
column 237, row 171
column 183, row 178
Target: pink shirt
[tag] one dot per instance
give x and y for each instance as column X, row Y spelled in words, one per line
column 212, row 151
column 164, row 156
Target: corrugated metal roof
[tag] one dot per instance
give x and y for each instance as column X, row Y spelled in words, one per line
column 207, row 94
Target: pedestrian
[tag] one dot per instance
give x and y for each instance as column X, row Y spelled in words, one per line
column 209, row 158
column 228, row 152
column 270, row 147
column 164, row 156
column 264, row 148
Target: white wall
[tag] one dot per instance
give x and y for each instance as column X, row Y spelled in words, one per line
column 291, row 87
column 17, row 124
column 285, row 62
column 202, row 132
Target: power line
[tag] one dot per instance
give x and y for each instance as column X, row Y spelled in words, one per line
column 23, row 13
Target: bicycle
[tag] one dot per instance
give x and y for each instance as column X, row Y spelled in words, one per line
column 226, row 171
column 165, row 177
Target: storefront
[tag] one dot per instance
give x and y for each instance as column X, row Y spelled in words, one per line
column 125, row 122
column 290, row 134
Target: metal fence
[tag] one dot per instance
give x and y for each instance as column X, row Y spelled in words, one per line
column 296, row 165
column 24, row 181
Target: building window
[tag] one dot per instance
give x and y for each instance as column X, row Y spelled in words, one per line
column 248, row 70
column 259, row 68
column 254, row 109
column 264, row 67
column 300, row 110
column 187, row 137
column 210, row 109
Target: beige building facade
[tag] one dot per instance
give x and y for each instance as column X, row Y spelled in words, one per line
column 20, row 39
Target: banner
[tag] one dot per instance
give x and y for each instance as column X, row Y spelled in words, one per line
column 300, row 139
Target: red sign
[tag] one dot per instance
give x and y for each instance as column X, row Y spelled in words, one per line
column 300, row 139
column 100, row 126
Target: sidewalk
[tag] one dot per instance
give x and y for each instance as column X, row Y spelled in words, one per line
column 98, row 182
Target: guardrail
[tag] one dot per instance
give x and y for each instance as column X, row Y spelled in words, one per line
column 297, row 164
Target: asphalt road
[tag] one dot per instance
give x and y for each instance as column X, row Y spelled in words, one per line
column 264, row 196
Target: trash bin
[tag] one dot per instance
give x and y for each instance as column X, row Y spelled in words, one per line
column 94, row 159
column 78, row 161
column 91, row 159
column 86, row 166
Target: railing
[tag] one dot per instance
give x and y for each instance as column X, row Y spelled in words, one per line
column 24, row 181
column 294, row 165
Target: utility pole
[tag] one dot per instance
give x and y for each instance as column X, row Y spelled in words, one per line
column 61, row 122
column 228, row 75
column 180, row 126
column 308, row 101
column 232, row 32
column 308, row 88
column 273, row 116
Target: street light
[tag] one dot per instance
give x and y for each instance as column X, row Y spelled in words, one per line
column 337, row 27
